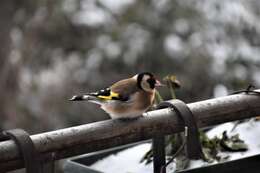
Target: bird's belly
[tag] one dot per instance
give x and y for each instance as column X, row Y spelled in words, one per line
column 122, row 110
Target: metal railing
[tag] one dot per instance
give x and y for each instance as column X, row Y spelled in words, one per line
column 96, row 136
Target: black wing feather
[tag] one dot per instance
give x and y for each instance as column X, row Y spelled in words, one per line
column 107, row 92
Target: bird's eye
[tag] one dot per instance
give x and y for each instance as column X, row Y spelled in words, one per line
column 151, row 82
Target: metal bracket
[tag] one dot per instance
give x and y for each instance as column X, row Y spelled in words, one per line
column 193, row 145
column 159, row 154
column 26, row 148
column 48, row 163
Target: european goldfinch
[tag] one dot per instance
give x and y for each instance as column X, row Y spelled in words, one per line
column 128, row 98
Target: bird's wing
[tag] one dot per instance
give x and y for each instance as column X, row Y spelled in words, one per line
column 105, row 94
column 121, row 90
column 125, row 88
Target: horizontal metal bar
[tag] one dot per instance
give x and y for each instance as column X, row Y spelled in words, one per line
column 110, row 133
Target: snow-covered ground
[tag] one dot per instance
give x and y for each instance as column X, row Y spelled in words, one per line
column 126, row 161
column 248, row 131
column 129, row 160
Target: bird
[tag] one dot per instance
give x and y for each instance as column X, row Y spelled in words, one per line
column 126, row 99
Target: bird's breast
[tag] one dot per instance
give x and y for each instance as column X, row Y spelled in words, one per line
column 136, row 106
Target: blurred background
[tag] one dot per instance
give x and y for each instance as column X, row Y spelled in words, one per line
column 51, row 50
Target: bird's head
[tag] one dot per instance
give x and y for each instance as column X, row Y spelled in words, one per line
column 147, row 82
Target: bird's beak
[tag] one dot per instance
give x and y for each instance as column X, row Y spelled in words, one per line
column 158, row 84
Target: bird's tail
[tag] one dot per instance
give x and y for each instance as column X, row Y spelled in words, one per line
column 86, row 97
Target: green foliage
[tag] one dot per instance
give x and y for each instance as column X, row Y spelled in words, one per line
column 233, row 143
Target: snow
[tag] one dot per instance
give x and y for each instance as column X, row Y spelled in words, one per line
column 125, row 161
column 248, row 131
column 129, row 159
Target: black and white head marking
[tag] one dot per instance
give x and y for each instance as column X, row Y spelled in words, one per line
column 146, row 81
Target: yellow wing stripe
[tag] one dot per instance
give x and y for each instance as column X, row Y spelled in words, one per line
column 110, row 97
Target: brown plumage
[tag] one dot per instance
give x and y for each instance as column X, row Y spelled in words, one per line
column 134, row 107
column 125, row 87
column 127, row 98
